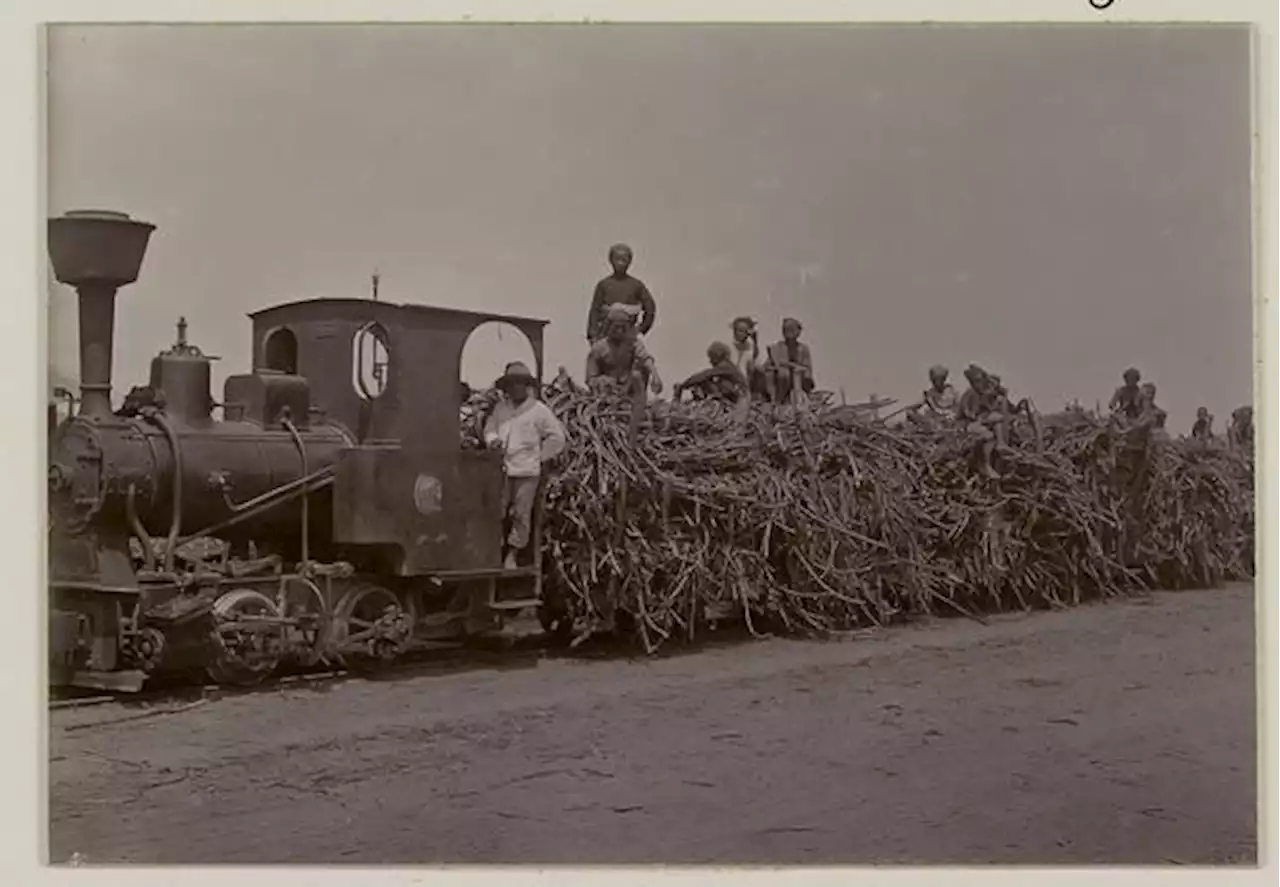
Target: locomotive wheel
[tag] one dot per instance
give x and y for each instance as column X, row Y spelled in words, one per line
column 370, row 629
column 248, row 643
column 302, row 601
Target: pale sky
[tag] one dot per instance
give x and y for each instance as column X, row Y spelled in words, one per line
column 1055, row 203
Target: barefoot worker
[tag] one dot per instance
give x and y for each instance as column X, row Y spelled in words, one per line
column 528, row 434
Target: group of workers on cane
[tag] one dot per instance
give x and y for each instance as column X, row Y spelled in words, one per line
column 984, row 411
column 623, row 311
column 1136, row 401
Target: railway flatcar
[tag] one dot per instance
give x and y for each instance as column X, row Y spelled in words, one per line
column 329, row 514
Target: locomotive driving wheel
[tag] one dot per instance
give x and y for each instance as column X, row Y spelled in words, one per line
column 301, row 602
column 371, row 628
column 248, row 638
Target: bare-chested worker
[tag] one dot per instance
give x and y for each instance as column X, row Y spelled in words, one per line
column 620, row 289
column 939, row 399
column 722, row 380
column 620, row 360
column 979, row 409
column 1127, row 399
column 1149, row 413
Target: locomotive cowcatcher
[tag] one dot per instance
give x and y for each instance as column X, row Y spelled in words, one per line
column 330, row 515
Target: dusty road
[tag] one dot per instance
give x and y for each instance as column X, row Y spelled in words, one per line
column 1109, row 734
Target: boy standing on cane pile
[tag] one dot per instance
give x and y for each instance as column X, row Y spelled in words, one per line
column 790, row 365
column 1203, row 427
column 620, row 360
column 622, row 290
column 528, row 434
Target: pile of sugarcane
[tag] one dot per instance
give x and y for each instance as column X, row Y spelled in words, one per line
column 813, row 521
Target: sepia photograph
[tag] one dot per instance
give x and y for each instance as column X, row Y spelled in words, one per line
column 613, row 444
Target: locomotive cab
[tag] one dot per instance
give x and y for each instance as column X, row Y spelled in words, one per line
column 406, row 489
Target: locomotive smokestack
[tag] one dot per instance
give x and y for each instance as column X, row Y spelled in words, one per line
column 97, row 252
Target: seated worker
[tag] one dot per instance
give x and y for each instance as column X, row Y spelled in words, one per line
column 620, row 360
column 620, row 289
column 1203, row 427
column 1240, row 434
column 528, row 434
column 720, row 381
column 1126, row 401
column 939, row 399
column 980, row 411
column 789, row 365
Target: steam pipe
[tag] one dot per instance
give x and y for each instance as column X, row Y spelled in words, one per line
column 131, row 511
column 175, row 521
column 302, row 454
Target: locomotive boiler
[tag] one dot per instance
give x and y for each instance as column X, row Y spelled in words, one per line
column 329, row 514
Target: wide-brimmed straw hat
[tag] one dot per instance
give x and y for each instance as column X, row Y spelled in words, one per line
column 515, row 372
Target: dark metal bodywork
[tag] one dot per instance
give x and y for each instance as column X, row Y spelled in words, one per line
column 406, row 486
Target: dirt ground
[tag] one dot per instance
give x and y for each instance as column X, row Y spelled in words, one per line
column 1117, row 733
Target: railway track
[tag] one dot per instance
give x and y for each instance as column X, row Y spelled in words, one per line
column 179, row 686
column 176, row 692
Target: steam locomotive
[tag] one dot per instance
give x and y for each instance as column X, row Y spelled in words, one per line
column 330, row 513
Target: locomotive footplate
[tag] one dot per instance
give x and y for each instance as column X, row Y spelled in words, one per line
column 113, row 681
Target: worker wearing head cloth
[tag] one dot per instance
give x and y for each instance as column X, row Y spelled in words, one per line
column 620, row 289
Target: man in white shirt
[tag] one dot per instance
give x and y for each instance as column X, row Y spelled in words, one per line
column 528, row 434
column 746, row 354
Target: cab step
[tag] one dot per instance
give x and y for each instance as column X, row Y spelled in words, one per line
column 522, row 604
